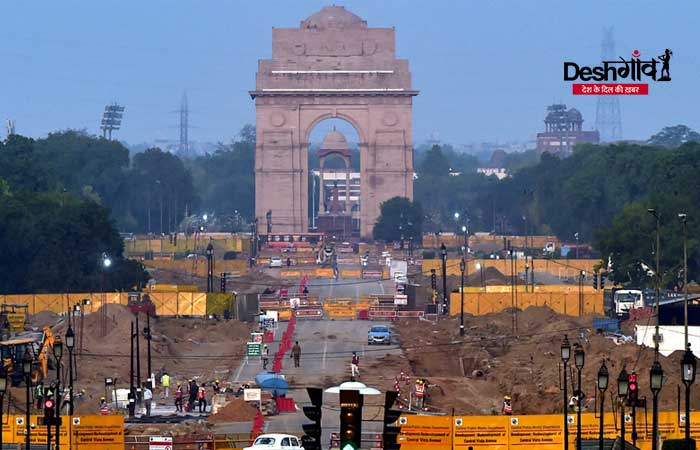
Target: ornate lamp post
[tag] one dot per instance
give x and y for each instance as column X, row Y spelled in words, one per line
column 565, row 356
column 461, row 294
column 623, row 386
column 579, row 360
column 27, row 372
column 58, row 354
column 602, row 387
column 70, row 344
column 688, row 365
column 656, row 379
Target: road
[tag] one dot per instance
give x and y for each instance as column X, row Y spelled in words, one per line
column 325, row 361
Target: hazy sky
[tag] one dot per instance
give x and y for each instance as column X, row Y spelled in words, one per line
column 486, row 69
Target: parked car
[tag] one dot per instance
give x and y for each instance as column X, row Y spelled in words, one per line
column 275, row 261
column 276, row 442
column 379, row 334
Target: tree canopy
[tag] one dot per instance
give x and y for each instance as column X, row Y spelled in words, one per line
column 399, row 217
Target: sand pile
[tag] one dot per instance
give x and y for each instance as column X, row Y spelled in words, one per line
column 237, row 410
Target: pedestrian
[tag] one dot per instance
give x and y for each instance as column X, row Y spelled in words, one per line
column 147, row 398
column 265, row 356
column 39, row 396
column 216, row 387
column 165, row 382
column 104, row 408
column 507, row 406
column 192, row 392
column 296, row 353
column 420, row 393
column 202, row 398
column 179, row 393
column 355, row 365
column 289, row 262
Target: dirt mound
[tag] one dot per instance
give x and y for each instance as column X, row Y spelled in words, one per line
column 474, row 372
column 43, row 319
column 235, row 411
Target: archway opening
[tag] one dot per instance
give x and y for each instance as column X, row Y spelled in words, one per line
column 334, row 179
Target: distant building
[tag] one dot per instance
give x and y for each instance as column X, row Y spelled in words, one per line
column 495, row 166
column 563, row 130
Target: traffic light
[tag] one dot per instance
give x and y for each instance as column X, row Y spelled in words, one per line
column 390, row 433
column 312, row 437
column 350, row 419
column 633, row 390
column 595, row 281
column 433, row 279
column 602, row 281
column 223, row 282
column 49, row 411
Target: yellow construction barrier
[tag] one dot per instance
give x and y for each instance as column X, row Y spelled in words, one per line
column 563, row 268
column 324, row 273
column 198, row 267
column 95, row 432
column 492, row 302
column 290, row 274
column 350, row 273
column 527, row 431
column 341, row 312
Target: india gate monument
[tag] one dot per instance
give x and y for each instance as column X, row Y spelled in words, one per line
column 332, row 66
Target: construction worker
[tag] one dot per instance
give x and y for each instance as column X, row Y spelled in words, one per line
column 296, row 353
column 147, row 398
column 39, row 396
column 265, row 356
column 192, row 395
column 355, row 365
column 202, row 398
column 507, row 409
column 104, row 409
column 179, row 394
column 165, row 382
column 420, row 393
column 216, row 387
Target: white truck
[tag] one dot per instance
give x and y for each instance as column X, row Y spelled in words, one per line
column 626, row 299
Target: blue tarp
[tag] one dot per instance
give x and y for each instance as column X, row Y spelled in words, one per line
column 272, row 382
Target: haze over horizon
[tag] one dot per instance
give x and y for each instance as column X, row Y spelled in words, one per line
column 486, row 71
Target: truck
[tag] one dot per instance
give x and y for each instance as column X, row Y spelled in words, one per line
column 626, row 299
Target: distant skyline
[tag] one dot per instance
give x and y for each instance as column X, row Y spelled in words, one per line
column 486, row 70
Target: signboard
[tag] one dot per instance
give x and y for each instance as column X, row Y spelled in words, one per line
column 251, row 395
column 537, row 432
column 422, row 432
column 294, row 302
column 16, row 321
column 253, row 349
column 160, row 443
column 400, row 299
column 256, row 337
column 481, row 432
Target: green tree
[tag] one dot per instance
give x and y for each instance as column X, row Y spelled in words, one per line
column 674, row 136
column 399, row 217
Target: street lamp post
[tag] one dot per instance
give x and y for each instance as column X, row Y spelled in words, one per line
column 656, row 379
column 657, row 278
column 443, row 254
column 57, row 354
column 688, row 365
column 70, row 343
column 210, row 268
column 461, row 295
column 602, row 387
column 579, row 359
column 3, row 390
column 565, row 356
column 27, row 372
column 623, row 386
column 581, row 278
column 684, row 219
column 576, row 236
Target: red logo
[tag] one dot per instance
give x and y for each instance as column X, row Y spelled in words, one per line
column 636, row 54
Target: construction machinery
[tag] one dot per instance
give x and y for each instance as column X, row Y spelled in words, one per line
column 39, row 346
column 12, row 318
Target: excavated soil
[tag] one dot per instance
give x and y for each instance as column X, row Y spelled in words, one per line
column 473, row 373
column 204, row 350
column 236, row 410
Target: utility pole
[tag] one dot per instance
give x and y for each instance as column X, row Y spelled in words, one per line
column 184, row 147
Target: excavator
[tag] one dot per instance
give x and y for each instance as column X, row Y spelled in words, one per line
column 40, row 349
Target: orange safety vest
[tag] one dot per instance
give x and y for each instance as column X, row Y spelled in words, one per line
column 420, row 390
column 507, row 408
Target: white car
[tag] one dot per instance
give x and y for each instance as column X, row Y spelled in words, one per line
column 276, row 442
column 275, row 261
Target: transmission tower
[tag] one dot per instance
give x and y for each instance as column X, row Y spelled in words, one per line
column 608, row 120
column 184, row 126
column 111, row 120
column 10, row 125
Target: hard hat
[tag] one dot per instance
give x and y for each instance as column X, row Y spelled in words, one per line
column 102, row 398
column 179, row 384
column 218, row 381
column 506, row 397
column 190, row 380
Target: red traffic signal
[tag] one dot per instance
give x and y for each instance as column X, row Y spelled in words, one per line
column 48, row 404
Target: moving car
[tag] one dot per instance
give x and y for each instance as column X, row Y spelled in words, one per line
column 275, row 261
column 276, row 442
column 379, row 334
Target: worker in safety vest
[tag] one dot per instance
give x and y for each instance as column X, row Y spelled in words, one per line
column 179, row 394
column 420, row 393
column 165, row 382
column 104, row 409
column 507, row 406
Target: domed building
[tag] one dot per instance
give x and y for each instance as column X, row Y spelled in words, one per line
column 563, row 130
